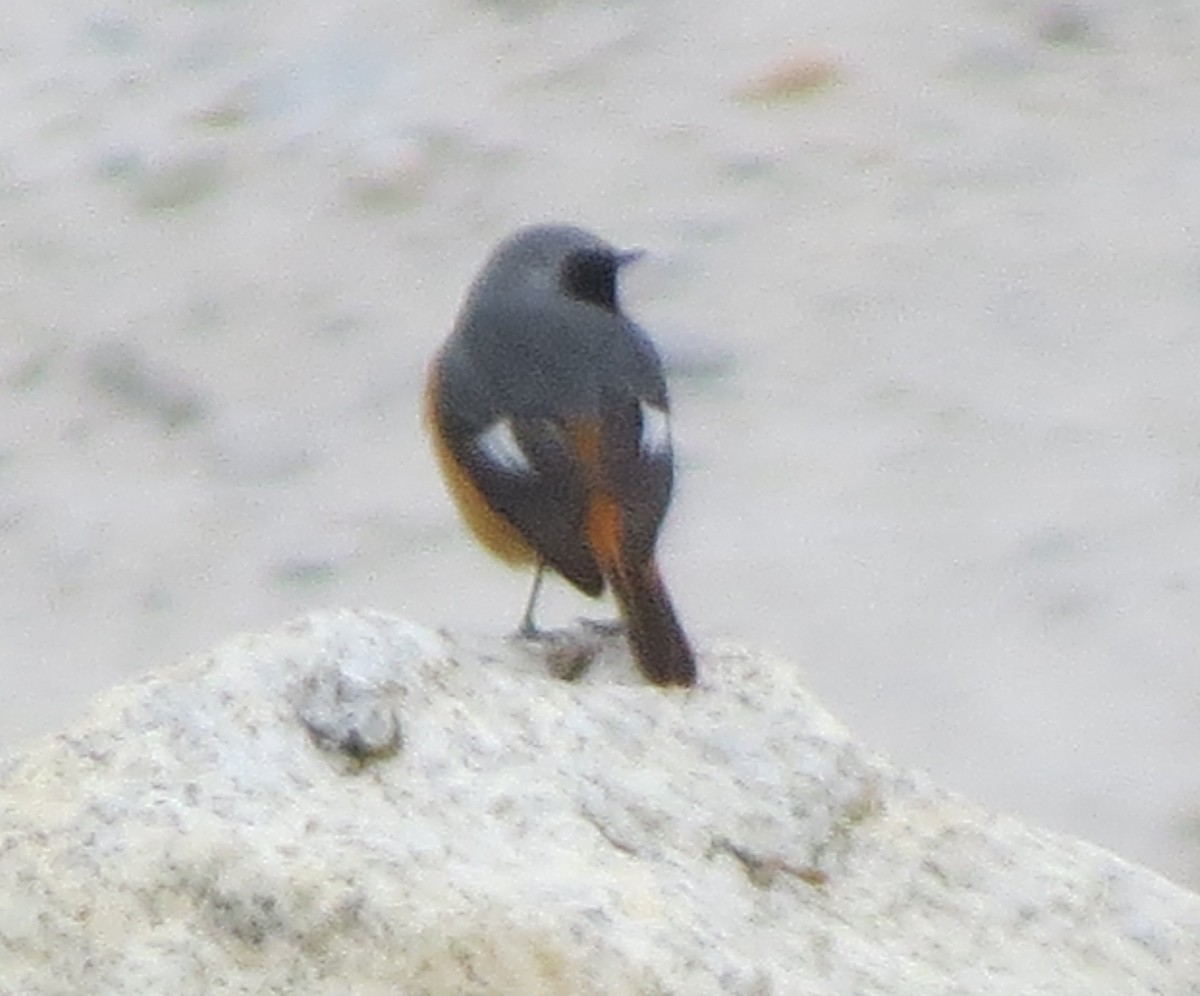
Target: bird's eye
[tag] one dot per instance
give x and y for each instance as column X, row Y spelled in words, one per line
column 590, row 275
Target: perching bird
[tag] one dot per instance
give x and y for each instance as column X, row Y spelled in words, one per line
column 549, row 416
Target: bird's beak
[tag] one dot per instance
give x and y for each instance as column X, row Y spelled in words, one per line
column 626, row 256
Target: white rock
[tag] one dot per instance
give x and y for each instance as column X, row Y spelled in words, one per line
column 355, row 805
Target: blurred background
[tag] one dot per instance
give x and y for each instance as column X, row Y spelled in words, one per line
column 926, row 276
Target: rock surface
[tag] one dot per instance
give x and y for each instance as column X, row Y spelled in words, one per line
column 353, row 804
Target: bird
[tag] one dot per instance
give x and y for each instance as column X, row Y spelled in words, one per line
column 548, row 412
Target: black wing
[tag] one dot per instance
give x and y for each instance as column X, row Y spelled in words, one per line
column 524, row 465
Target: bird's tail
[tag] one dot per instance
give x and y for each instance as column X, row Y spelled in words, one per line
column 659, row 645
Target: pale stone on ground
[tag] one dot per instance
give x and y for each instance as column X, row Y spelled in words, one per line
column 356, row 805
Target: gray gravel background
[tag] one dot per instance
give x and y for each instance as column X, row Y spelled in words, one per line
column 927, row 275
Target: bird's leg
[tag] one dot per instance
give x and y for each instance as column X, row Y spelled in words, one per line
column 528, row 628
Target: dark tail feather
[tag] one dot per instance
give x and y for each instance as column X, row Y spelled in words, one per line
column 657, row 640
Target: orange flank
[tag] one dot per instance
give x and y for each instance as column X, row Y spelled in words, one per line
column 496, row 533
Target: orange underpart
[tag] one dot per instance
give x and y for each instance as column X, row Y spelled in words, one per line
column 496, row 533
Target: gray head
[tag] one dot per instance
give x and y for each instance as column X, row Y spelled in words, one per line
column 551, row 259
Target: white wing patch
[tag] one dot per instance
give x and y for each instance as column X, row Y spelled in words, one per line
column 656, row 430
column 499, row 446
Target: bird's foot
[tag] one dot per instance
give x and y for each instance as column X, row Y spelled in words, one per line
column 568, row 652
column 603, row 628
